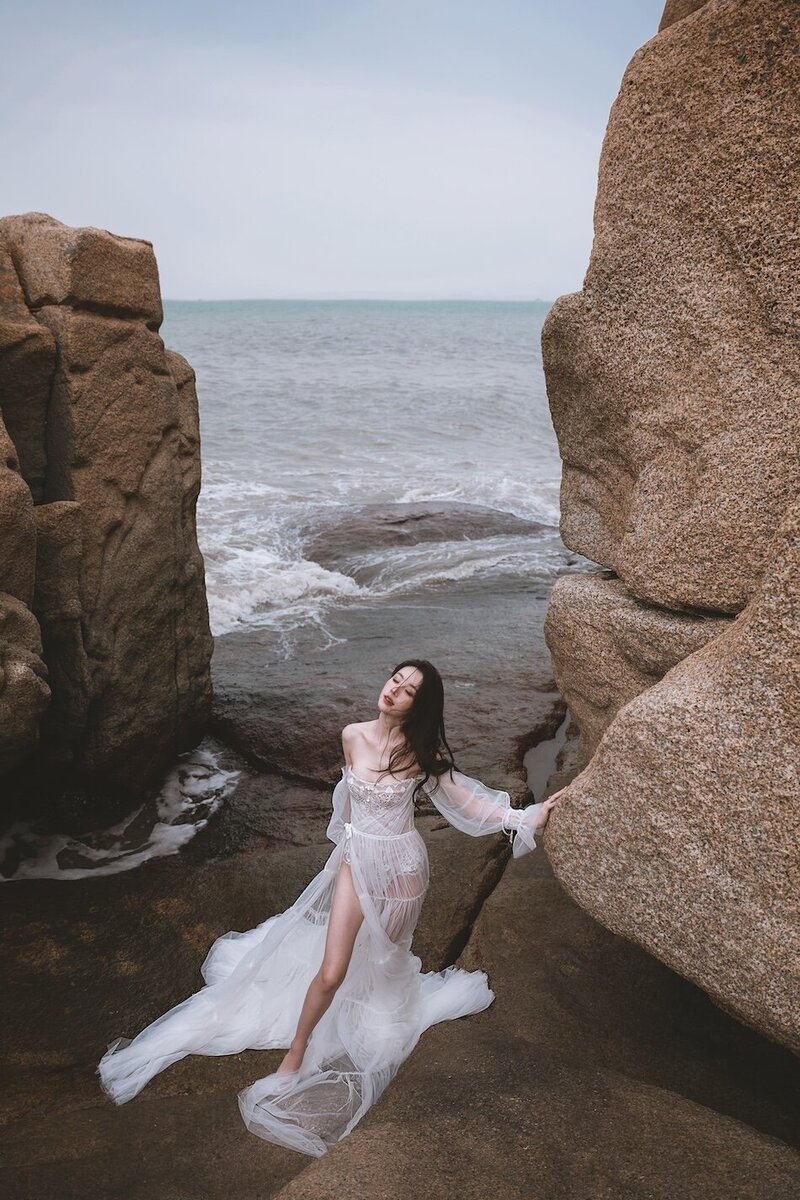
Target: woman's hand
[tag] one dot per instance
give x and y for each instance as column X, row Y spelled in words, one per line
column 547, row 807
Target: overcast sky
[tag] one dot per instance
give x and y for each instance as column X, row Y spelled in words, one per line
column 315, row 148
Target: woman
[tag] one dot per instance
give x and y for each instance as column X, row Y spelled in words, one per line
column 333, row 977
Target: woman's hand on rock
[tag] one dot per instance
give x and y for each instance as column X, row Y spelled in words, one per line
column 547, row 807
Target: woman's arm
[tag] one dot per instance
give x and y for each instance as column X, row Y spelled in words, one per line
column 340, row 800
column 476, row 809
column 347, row 744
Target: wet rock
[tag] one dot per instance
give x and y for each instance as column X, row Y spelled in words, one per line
column 335, row 537
column 596, row 1071
column 282, row 702
column 100, row 958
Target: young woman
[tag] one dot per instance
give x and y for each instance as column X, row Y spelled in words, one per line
column 333, row 977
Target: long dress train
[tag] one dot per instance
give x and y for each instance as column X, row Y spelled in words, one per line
column 256, row 981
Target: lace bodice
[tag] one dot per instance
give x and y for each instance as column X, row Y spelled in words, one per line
column 383, row 807
column 386, row 807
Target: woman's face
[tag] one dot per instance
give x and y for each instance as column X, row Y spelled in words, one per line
column 397, row 694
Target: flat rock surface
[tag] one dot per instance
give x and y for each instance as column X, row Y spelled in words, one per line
column 286, row 713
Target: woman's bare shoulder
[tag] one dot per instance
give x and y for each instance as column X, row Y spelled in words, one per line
column 357, row 729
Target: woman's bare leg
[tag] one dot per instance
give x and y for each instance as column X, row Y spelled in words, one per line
column 343, row 925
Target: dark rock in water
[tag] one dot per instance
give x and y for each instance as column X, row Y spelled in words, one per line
column 334, row 536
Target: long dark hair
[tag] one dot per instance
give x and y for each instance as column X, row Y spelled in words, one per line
column 423, row 727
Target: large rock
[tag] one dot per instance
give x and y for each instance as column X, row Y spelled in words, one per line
column 23, row 682
column 119, row 585
column 673, row 380
column 352, row 541
column 689, row 812
column 17, row 526
column 84, row 267
column 673, row 376
column 27, row 362
column 607, row 647
column 676, row 10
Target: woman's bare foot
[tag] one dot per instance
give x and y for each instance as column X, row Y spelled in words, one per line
column 291, row 1061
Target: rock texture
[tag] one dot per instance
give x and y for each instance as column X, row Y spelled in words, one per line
column 673, row 379
column 607, row 647
column 676, row 10
column 674, row 376
column 98, row 484
column 689, row 812
column 24, row 693
column 352, row 541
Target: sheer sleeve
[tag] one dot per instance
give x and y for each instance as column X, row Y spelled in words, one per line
column 341, row 809
column 476, row 809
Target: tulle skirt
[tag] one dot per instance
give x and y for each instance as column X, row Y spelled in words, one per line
column 256, row 983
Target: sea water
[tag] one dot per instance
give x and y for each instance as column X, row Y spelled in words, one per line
column 340, row 403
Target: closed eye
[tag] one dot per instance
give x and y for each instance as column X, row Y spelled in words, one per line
column 409, row 691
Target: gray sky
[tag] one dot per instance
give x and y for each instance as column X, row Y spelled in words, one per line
column 311, row 148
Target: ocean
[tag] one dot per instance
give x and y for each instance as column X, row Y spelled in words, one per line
column 329, row 403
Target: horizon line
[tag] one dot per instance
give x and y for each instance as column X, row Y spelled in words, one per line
column 355, row 300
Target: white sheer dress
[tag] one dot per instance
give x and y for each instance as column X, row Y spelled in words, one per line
column 256, row 981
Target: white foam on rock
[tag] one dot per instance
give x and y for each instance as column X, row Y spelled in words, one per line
column 190, row 794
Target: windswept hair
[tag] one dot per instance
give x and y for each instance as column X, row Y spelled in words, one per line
column 423, row 727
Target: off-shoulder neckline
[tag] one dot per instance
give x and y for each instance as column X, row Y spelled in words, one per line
column 377, row 782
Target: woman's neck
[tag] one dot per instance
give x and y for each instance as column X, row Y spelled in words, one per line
column 388, row 728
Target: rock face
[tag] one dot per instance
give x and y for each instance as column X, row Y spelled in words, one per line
column 98, row 488
column 607, row 647
column 23, row 688
column 676, row 10
column 689, row 812
column 674, row 376
column 673, row 381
